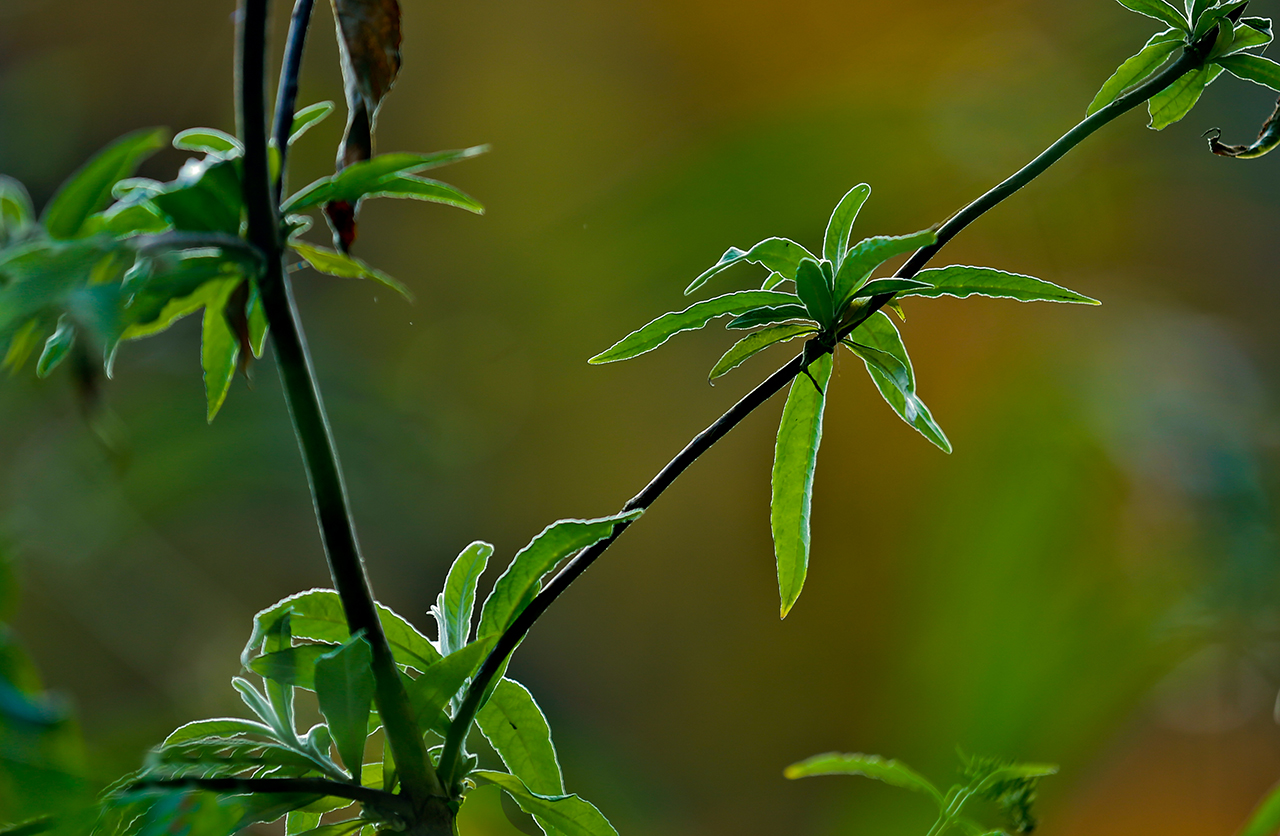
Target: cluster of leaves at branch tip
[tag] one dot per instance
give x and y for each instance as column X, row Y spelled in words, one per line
column 301, row 642
column 1010, row 785
column 117, row 257
column 829, row 301
column 1237, row 42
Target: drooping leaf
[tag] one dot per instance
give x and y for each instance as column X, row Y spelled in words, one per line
column 1251, row 33
column 569, row 815
column 360, row 179
column 1177, row 100
column 794, row 460
column 221, row 727
column 962, row 281
column 1268, row 140
column 836, row 242
column 89, row 189
column 307, row 118
column 695, row 316
column 869, row 254
column 318, row 616
column 344, row 689
column 219, row 347
column 876, row 287
column 456, row 603
column 767, row 316
column 344, row 266
column 56, row 347
column 1160, row 10
column 894, row 376
column 780, row 255
column 1138, row 68
column 892, row 772
column 1253, row 68
column 753, row 344
column 1265, row 820
column 431, row 692
column 815, row 292
column 515, row 726
column 518, row 585
column 208, row 141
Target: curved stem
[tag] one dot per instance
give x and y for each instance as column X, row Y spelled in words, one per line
column 450, row 757
column 310, row 423
column 287, row 94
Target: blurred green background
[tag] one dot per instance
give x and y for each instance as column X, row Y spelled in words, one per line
column 1091, row 578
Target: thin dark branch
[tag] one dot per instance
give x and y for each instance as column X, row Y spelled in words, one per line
column 515, row 633
column 310, row 423
column 377, row 799
column 287, row 94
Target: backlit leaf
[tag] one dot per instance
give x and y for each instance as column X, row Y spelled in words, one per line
column 569, row 815
column 16, row 213
column 365, row 178
column 89, row 189
column 961, row 282
column 56, row 347
column 431, row 692
column 344, row 689
column 780, row 255
column 869, row 254
column 753, row 344
column 344, row 266
column 292, row 665
column 514, row 725
column 892, row 772
column 815, row 293
column 836, row 242
column 768, row 316
column 219, row 347
column 1138, row 68
column 1253, row 68
column 456, row 603
column 894, row 376
column 1177, row 100
column 307, row 118
column 877, row 287
column 1160, row 10
column 208, row 141
column 217, row 727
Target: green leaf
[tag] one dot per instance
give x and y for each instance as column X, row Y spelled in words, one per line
column 1211, row 18
column 300, row 821
column 257, row 322
column 1253, row 68
column 208, row 141
column 1251, row 33
column 219, row 347
column 456, row 603
column 962, row 282
column 891, row 772
column 869, row 254
column 692, row 318
column 569, row 815
column 517, row 729
column 344, row 689
column 279, row 638
column 768, row 316
column 815, row 293
column 334, row 263
column 292, row 665
column 206, row 197
column 1160, row 10
column 780, row 255
column 1265, row 820
column 441, row 682
column 173, row 310
column 221, row 727
column 318, row 616
column 215, row 757
column 891, row 371
column 876, row 287
column 1176, row 101
column 518, row 585
column 56, row 347
column 753, row 344
column 371, row 177
column 89, row 189
column 1137, row 69
column 836, row 242
column 307, row 118
column 794, row 460
column 16, row 213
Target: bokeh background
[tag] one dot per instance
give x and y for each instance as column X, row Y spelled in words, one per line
column 1091, row 579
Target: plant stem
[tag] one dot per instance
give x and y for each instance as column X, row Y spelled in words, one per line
column 450, row 757
column 311, row 425
column 287, row 93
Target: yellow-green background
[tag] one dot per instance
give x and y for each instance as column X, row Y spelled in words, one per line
column 1091, row 578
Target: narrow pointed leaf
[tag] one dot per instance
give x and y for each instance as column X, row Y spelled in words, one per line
column 892, row 772
column 695, row 316
column 515, row 726
column 89, row 189
column 869, row 254
column 780, row 255
column 753, row 344
column 219, row 348
column 432, row 191
column 836, row 242
column 962, row 282
column 1176, row 101
column 307, row 118
column 431, row 692
column 1138, row 68
column 344, row 689
column 891, row 371
column 56, row 347
column 456, row 603
column 517, row 586
column 768, row 316
column 357, row 181
column 208, row 141
column 333, row 263
column 815, row 293
column 1160, row 10
column 1212, row 16
column 794, row 460
column 218, row 727
column 876, row 287
column 568, row 815
column 1253, row 68
column 1251, row 33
